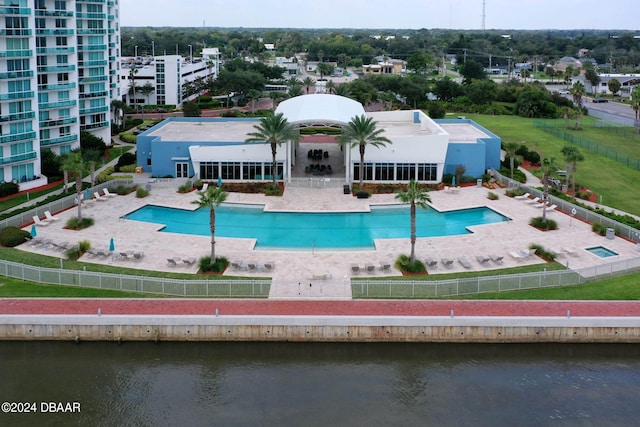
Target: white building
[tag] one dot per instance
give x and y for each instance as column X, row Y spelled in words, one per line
column 627, row 82
column 167, row 74
column 57, row 77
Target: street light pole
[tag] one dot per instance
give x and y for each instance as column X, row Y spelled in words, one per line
column 136, row 51
column 190, row 53
column 153, row 49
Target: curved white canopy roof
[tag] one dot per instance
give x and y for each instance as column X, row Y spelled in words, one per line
column 320, row 108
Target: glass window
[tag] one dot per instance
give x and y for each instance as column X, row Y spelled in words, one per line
column 405, row 171
column 384, row 171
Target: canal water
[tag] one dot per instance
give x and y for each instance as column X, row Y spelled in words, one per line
column 304, row 384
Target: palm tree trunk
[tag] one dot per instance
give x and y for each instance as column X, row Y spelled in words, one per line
column 573, row 179
column 361, row 165
column 78, row 194
column 412, row 259
column 274, row 166
column 212, row 225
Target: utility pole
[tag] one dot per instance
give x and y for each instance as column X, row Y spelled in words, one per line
column 484, row 15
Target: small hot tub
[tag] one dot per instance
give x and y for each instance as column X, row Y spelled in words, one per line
column 602, row 252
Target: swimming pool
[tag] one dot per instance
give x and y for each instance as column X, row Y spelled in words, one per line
column 602, row 252
column 295, row 230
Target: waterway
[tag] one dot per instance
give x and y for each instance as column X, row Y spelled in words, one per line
column 288, row 384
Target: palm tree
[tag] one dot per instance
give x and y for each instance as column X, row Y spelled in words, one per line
column 273, row 130
column 146, row 90
column 415, row 196
column 132, row 87
column 572, row 156
column 510, row 149
column 253, row 95
column 330, row 86
column 548, row 168
column 360, row 132
column 295, row 91
column 308, row 82
column 343, row 90
column 118, row 107
column 577, row 91
column 635, row 104
column 211, row 198
column 74, row 164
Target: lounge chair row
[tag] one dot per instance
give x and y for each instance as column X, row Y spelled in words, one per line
column 131, row 255
column 523, row 254
column 176, row 261
column 252, row 266
column 432, row 263
column 46, row 221
column 370, row 268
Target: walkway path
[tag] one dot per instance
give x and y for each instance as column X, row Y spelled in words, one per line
column 320, row 308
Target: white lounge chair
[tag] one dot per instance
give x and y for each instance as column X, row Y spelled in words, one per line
column 464, row 262
column 516, row 255
column 99, row 197
column 447, row 262
column 355, row 268
column 552, row 208
column 38, row 221
column 269, row 265
column 173, row 262
column 540, row 205
column 107, row 193
column 528, row 253
column 522, row 196
column 189, row 261
column 483, row 259
column 51, row 217
column 570, row 251
column 431, row 263
column 534, row 200
column 205, row 187
column 370, row 268
column 385, row 266
column 496, row 258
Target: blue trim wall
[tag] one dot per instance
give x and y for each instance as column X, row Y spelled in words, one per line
column 476, row 158
column 161, row 152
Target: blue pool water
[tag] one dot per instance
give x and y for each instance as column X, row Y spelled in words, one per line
column 319, row 230
column 602, row 252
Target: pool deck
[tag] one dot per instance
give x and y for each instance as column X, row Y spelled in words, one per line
column 323, row 274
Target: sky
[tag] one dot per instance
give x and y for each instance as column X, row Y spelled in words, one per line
column 396, row 14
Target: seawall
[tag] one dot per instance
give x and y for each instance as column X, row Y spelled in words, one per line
column 468, row 329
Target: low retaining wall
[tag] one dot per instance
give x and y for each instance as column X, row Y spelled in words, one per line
column 322, row 329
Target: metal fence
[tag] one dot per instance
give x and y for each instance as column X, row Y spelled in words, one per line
column 140, row 284
column 590, row 145
column 317, row 182
column 502, row 283
column 585, row 214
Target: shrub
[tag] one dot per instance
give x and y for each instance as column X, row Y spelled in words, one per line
column 128, row 137
column 128, row 168
column 403, row 264
column 123, row 190
column 542, row 253
column 77, row 251
column 13, row 236
column 514, row 192
column 8, row 188
column 272, row 190
column 85, row 222
column 185, row 188
column 598, row 228
column 543, row 224
column 141, row 192
column 220, row 264
column 125, row 160
column 492, row 196
column 105, row 175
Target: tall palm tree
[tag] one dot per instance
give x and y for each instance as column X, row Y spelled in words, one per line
column 360, row 132
column 308, row 82
column 343, row 90
column 635, row 105
column 572, row 156
column 273, row 130
column 548, row 168
column 132, row 87
column 577, row 91
column 211, row 198
column 330, row 86
column 414, row 196
column 119, row 108
column 510, row 149
column 295, row 91
column 74, row 164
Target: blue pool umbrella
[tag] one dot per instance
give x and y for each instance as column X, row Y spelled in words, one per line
column 87, row 194
column 34, row 233
column 453, row 181
column 219, row 181
column 112, row 245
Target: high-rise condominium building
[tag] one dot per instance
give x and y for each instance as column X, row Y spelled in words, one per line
column 58, row 75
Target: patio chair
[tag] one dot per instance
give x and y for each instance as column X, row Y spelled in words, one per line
column 189, row 261
column 50, row 217
column 465, row 262
column 570, row 251
column 205, row 187
column 528, row 253
column 497, row 258
column 269, row 265
column 355, row 268
column 99, row 197
column 522, row 196
column 534, row 200
column 551, row 208
column 483, row 259
column 516, row 255
column 63, row 246
column 385, row 266
column 447, row 262
column 138, row 255
column 38, row 221
column 125, row 255
column 431, row 263
column 370, row 268
column 173, row 262
column 239, row 265
column 540, row 205
column 107, row 193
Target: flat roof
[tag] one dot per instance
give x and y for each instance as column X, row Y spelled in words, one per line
column 205, row 131
column 394, row 129
column 463, row 132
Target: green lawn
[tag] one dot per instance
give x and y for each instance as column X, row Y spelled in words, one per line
column 12, row 288
column 607, row 178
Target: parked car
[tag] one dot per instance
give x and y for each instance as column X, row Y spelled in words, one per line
column 600, row 100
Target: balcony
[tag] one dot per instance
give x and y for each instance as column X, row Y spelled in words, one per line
column 93, row 79
column 101, row 109
column 41, row 12
column 85, row 47
column 60, row 140
column 19, row 158
column 16, row 53
column 56, row 32
column 89, row 15
column 90, row 31
column 59, row 86
column 88, row 95
column 56, row 68
column 98, row 63
column 16, row 75
column 55, row 50
column 16, row 95
column 59, row 122
column 17, row 137
column 95, row 125
column 14, row 10
column 18, row 116
column 16, row 32
column 59, row 104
